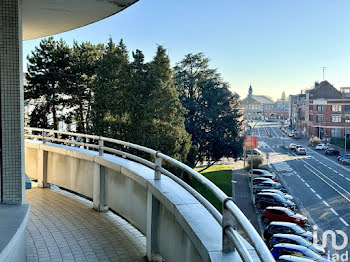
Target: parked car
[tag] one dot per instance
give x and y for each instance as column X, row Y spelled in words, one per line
column 287, row 258
column 259, row 180
column 339, row 158
column 264, row 200
column 286, row 228
column 345, row 161
column 292, row 146
column 266, row 185
column 291, row 134
column 299, row 251
column 279, row 192
column 300, row 151
column 296, row 240
column 264, row 173
column 332, row 152
column 281, row 213
column 321, row 147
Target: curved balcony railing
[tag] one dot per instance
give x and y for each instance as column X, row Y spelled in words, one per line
column 232, row 215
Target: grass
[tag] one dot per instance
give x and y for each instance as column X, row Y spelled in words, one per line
column 220, row 175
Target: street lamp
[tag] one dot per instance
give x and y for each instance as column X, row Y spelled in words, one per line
column 251, row 152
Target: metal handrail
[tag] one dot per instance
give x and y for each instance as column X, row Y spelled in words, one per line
column 255, row 239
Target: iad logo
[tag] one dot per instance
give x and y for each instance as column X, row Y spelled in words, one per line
column 333, row 235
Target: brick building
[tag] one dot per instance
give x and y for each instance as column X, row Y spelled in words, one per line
column 322, row 111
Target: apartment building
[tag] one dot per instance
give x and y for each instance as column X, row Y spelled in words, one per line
column 322, row 111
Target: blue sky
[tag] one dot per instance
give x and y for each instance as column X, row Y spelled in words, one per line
column 277, row 45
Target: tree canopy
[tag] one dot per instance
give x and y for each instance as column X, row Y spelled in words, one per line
column 213, row 118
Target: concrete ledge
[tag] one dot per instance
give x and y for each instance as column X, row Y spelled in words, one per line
column 13, row 221
column 186, row 231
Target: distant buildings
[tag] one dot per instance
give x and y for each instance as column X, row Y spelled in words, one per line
column 322, row 111
column 256, row 106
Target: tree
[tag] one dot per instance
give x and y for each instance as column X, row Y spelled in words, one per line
column 213, row 116
column 47, row 77
column 111, row 84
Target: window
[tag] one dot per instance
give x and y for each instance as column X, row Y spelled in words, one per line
column 319, row 119
column 336, row 132
column 320, row 108
column 310, row 107
column 311, row 118
column 347, row 108
column 336, row 108
column 336, row 119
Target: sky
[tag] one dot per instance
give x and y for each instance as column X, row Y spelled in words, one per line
column 274, row 45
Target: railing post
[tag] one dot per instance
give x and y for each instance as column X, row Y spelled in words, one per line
column 100, row 145
column 44, row 134
column 153, row 206
column 158, row 163
column 99, row 188
column 227, row 220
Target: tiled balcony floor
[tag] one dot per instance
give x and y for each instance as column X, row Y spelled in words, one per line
column 64, row 227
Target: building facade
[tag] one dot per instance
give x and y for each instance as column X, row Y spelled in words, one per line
column 322, row 111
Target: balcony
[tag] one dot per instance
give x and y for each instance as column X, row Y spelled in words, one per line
column 161, row 214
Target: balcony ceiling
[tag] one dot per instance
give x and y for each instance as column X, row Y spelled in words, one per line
column 47, row 17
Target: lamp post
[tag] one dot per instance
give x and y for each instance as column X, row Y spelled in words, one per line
column 251, row 153
column 346, row 119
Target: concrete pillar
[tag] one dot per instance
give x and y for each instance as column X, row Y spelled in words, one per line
column 152, row 226
column 99, row 195
column 42, row 169
column 11, row 92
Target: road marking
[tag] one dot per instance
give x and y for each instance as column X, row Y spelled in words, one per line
column 324, row 202
column 329, row 184
column 334, row 212
column 306, row 184
column 341, row 175
column 342, row 220
column 318, row 196
column 347, row 178
column 302, row 180
column 313, row 191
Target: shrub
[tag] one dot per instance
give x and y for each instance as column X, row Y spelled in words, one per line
column 314, row 141
column 257, row 161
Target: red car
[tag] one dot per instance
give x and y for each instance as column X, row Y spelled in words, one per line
column 282, row 214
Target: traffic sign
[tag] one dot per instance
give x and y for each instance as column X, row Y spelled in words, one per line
column 250, row 142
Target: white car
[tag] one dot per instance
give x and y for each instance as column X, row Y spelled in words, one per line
column 292, row 146
column 321, row 147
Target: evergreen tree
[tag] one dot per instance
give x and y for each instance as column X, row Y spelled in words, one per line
column 47, row 77
column 110, row 85
column 213, row 117
column 79, row 91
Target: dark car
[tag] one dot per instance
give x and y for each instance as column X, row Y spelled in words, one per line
column 287, row 258
column 259, row 180
column 286, row 228
column 266, row 185
column 279, row 192
column 263, row 200
column 278, row 213
column 296, row 240
column 295, row 250
column 264, row 173
column 332, row 152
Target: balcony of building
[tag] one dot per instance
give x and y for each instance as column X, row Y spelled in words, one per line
column 94, row 202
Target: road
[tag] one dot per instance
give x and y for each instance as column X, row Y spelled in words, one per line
column 320, row 185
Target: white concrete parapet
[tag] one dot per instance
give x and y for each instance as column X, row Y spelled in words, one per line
column 176, row 225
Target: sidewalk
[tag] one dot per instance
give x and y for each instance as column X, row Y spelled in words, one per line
column 242, row 195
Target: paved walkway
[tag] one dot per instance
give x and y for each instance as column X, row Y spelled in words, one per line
column 64, row 227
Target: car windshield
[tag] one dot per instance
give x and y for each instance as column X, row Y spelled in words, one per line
column 303, row 242
column 289, row 212
column 297, row 229
column 311, row 254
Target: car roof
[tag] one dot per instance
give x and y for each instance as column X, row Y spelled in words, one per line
column 281, row 223
column 267, row 194
column 289, row 236
column 277, row 208
column 295, row 259
column 291, row 246
column 261, row 170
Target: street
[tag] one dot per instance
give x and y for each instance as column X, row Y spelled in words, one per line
column 320, row 186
